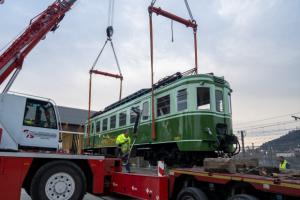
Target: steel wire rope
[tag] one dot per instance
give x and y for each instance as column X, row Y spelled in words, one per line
column 109, row 23
column 189, row 10
column 111, row 10
column 98, row 56
column 153, row 2
column 109, row 33
column 116, row 58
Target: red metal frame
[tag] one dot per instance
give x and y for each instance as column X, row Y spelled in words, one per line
column 174, row 17
column 39, row 26
column 12, row 174
column 188, row 23
column 100, row 170
column 192, row 24
column 13, row 171
column 153, row 132
column 106, row 74
column 93, row 71
column 140, row 186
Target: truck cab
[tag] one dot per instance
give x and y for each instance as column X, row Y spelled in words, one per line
column 28, row 123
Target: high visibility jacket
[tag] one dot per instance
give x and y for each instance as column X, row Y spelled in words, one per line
column 283, row 165
column 124, row 142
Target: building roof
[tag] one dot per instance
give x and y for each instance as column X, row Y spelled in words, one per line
column 74, row 116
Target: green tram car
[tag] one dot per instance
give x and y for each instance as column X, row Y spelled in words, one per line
column 192, row 120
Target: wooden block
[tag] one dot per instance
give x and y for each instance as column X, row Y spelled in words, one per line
column 246, row 163
column 221, row 165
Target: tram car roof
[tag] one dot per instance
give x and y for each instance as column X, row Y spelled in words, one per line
column 160, row 84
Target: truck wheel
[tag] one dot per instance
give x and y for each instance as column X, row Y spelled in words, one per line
column 59, row 180
column 242, row 197
column 191, row 193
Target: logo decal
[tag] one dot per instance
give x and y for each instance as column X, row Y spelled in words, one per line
column 29, row 134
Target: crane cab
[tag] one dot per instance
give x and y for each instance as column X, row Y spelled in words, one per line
column 28, row 123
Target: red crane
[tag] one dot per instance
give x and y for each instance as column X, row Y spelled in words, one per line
column 12, row 58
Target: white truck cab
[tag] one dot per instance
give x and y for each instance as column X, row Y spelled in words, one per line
column 28, row 122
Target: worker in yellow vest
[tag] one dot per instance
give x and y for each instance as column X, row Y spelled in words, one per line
column 283, row 165
column 124, row 142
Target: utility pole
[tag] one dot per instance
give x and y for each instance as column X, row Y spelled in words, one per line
column 243, row 142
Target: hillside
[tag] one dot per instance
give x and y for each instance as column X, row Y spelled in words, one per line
column 285, row 142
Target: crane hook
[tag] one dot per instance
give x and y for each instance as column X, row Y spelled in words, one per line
column 109, row 32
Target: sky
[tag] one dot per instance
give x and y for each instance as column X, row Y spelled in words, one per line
column 254, row 44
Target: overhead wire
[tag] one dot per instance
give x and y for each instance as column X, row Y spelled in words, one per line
column 266, row 119
column 271, row 131
column 260, row 126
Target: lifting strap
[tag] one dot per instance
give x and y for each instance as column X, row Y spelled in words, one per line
column 109, row 34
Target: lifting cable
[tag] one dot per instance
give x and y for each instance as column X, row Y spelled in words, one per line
column 188, row 23
column 189, row 10
column 109, row 34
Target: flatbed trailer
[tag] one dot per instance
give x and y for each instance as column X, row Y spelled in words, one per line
column 196, row 184
column 65, row 176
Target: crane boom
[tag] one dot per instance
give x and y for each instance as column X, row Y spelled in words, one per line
column 12, row 58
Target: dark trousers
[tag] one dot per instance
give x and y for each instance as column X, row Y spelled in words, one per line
column 125, row 159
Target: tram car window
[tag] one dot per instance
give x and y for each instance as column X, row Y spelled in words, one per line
column 104, row 124
column 145, row 114
column 93, row 128
column 133, row 115
column 219, row 101
column 113, row 122
column 229, row 103
column 163, row 105
column 203, row 98
column 181, row 100
column 98, row 125
column 122, row 118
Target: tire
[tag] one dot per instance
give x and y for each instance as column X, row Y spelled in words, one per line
column 243, row 197
column 191, row 193
column 60, row 180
